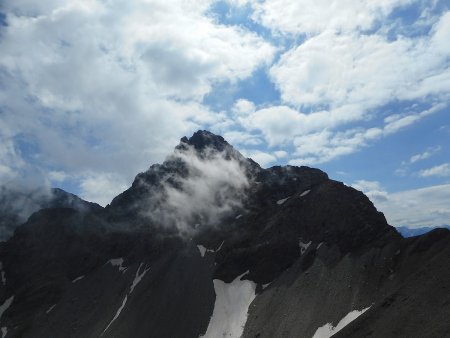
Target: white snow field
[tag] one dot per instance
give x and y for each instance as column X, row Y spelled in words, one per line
column 328, row 330
column 231, row 307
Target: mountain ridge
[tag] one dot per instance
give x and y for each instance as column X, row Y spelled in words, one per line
column 294, row 250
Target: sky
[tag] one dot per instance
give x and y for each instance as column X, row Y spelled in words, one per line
column 93, row 92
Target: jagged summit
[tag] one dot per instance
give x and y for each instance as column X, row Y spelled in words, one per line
column 202, row 139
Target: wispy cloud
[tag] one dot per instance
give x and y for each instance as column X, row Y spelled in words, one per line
column 413, row 208
column 439, row 170
column 426, row 154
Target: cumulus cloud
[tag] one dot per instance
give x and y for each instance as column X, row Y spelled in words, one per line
column 338, row 70
column 312, row 17
column 439, row 170
column 341, row 76
column 243, row 107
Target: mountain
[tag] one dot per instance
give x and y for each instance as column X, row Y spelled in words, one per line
column 16, row 205
column 209, row 244
column 411, row 232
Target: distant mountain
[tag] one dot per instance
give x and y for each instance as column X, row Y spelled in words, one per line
column 411, row 232
column 16, row 205
column 209, row 244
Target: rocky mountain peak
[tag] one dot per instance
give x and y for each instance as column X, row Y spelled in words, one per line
column 203, row 139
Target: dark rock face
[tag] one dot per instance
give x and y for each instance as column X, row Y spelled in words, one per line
column 124, row 271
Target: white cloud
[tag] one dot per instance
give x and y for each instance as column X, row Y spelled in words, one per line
column 264, row 159
column 280, row 153
column 312, row 17
column 418, row 207
column 372, row 189
column 102, row 187
column 57, row 176
column 336, row 79
column 98, row 85
column 241, row 138
column 368, row 71
column 426, row 154
column 439, row 170
column 326, row 145
column 413, row 208
column 243, row 107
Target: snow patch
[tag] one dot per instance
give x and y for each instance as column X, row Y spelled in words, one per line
column 202, row 250
column 303, row 246
column 2, row 274
column 220, row 246
column 77, row 279
column 117, row 313
column 306, row 192
column 6, row 305
column 138, row 277
column 4, row 331
column 328, row 330
column 238, row 216
column 119, row 263
column 280, row 202
column 50, row 309
column 319, row 245
column 266, row 285
column 231, row 307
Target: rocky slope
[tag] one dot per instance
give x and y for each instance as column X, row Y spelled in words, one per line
column 210, row 244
